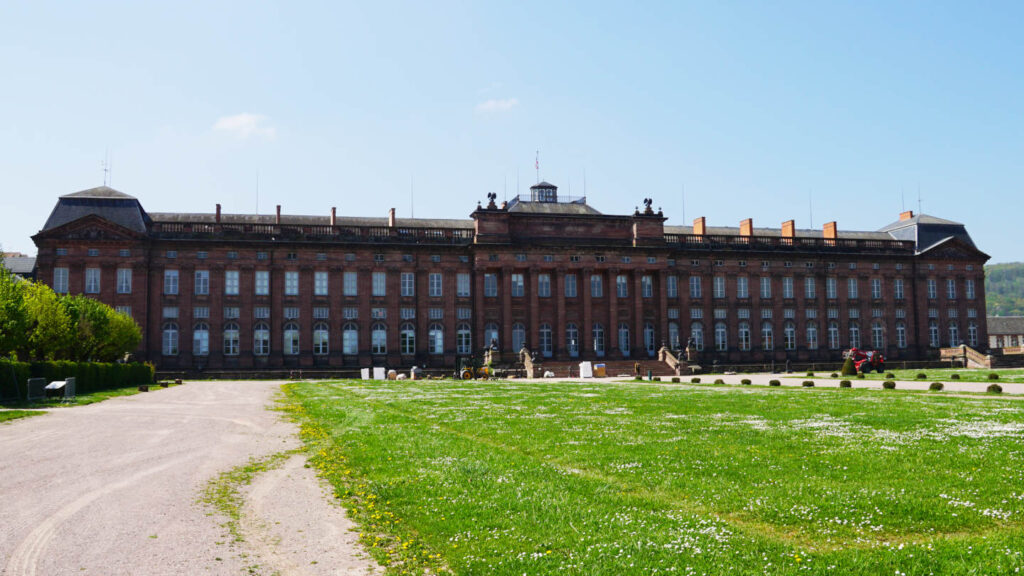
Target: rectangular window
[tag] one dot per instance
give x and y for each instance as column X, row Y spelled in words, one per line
column 951, row 289
column 321, row 312
column 201, row 312
column 544, row 285
column 969, row 286
column 60, row 280
column 766, row 287
column 517, row 285
column 408, row 282
column 622, row 286
column 718, row 287
column 350, row 286
column 647, row 286
column 876, row 289
column 202, row 282
column 851, row 288
column 231, row 312
column 170, row 282
column 436, row 313
column 933, row 289
column 672, row 286
column 897, row 289
column 291, row 312
column 464, row 313
column 830, row 287
column 291, row 283
column 570, row 285
column 262, row 283
column 696, row 313
column 126, row 310
column 462, row 283
column 787, row 287
column 407, row 313
column 596, row 286
column 695, row 287
column 231, row 282
column 435, row 285
column 379, row 284
column 810, row 290
column 261, row 312
column 490, row 285
column 124, row 280
column 350, row 313
column 742, row 287
column 170, row 311
column 320, row 283
column 93, row 252
column 92, row 280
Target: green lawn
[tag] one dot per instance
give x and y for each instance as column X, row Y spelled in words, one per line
column 935, row 375
column 8, row 415
column 589, row 479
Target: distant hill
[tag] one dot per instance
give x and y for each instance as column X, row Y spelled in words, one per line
column 1004, row 289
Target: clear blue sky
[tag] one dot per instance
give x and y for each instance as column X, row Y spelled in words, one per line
column 753, row 106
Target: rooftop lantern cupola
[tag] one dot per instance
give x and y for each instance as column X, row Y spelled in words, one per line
column 543, row 192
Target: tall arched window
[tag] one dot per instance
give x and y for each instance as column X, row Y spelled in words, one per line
column 518, row 337
column 598, row 336
column 933, row 334
column 744, row 336
column 901, row 335
column 350, row 339
column 954, row 335
column 789, row 335
column 697, row 335
column 463, row 339
column 812, row 335
column 673, row 336
column 877, row 335
column 546, row 347
column 261, row 339
column 833, row 336
column 231, row 339
column 379, row 338
column 491, row 335
column 767, row 336
column 572, row 339
column 435, row 339
column 201, row 340
column 854, row 335
column 170, row 339
column 721, row 337
column 972, row 334
column 321, row 339
column 407, row 339
column 291, row 339
column 649, row 338
column 624, row 338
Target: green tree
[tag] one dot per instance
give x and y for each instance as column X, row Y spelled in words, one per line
column 49, row 326
column 122, row 338
column 13, row 316
column 89, row 325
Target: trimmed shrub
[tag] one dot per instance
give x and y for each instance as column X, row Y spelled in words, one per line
column 656, row 379
column 889, row 385
column 810, row 374
column 745, row 381
column 774, row 383
column 638, row 378
column 675, row 380
column 921, row 376
column 93, row 376
column 834, row 375
column 890, row 375
column 695, row 380
column 719, row 381
column 993, row 376
column 808, row 383
column 13, row 379
column 860, row 376
column 994, row 389
column 845, row 384
column 936, row 386
column 848, row 368
column 954, row 376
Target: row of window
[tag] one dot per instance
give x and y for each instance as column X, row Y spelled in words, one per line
column 789, row 333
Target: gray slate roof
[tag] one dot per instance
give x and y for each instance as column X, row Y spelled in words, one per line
column 296, row 220
column 105, row 202
column 928, row 231
column 100, row 192
column 20, row 265
column 1003, row 325
column 556, row 208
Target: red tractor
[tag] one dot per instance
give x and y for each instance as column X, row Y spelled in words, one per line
column 866, row 360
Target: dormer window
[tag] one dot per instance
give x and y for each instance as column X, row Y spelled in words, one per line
column 544, row 192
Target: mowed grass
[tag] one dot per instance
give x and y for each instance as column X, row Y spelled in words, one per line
column 560, row 478
column 8, row 415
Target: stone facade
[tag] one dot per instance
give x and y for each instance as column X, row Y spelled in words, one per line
column 246, row 292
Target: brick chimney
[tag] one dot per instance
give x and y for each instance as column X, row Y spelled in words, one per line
column 906, row 215
column 278, row 213
column 699, row 226
column 217, row 217
column 829, row 231
column 334, row 215
column 391, row 218
column 788, row 229
column 747, row 227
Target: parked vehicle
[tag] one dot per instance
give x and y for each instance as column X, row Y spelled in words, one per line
column 866, row 360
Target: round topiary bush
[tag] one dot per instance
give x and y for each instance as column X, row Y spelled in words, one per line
column 810, row 374
column 994, row 389
column 845, row 384
column 848, row 369
column 675, row 380
column 719, row 381
column 860, row 376
column 936, row 386
column 638, row 378
column 745, row 381
column 890, row 375
column 993, row 376
column 835, row 375
column 695, row 380
column 954, row 376
column 774, row 383
column 808, row 383
column 889, row 385
column 657, row 379
column 921, row 375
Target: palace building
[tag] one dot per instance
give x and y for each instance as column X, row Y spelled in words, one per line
column 250, row 292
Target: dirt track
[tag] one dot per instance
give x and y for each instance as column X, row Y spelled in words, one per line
column 112, row 488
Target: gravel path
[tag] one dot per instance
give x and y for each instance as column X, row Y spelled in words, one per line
column 112, row 488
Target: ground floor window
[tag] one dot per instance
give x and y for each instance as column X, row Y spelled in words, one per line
column 170, row 339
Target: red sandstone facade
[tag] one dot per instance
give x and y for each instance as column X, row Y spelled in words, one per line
column 247, row 292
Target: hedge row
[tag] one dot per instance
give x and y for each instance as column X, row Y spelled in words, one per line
column 89, row 376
